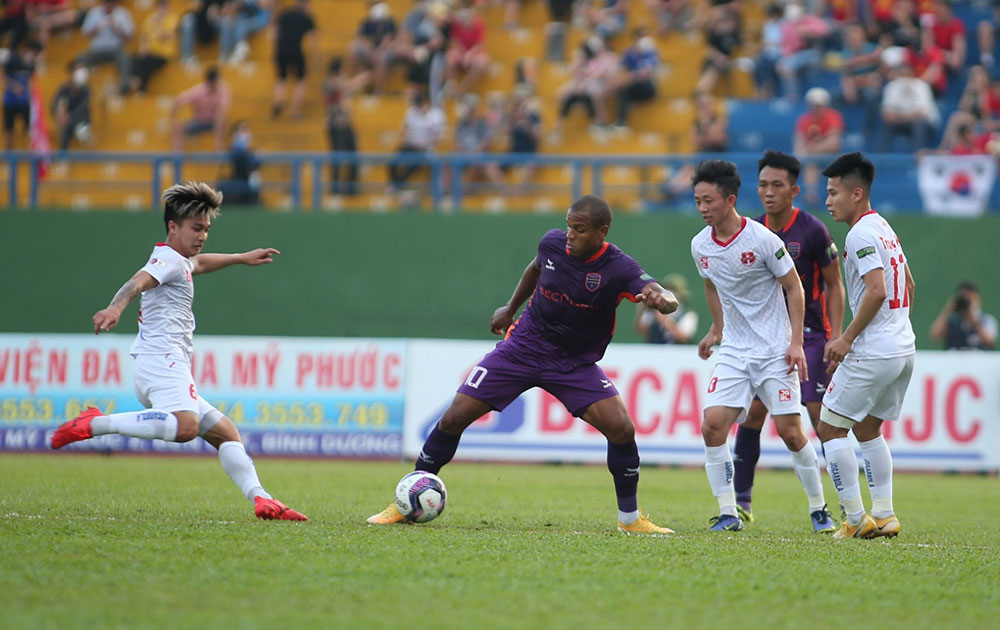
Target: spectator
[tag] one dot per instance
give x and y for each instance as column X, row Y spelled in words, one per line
column 986, row 36
column 722, row 27
column 374, row 45
column 291, row 28
column 423, row 126
column 560, row 14
column 339, row 126
column 607, row 18
column 671, row 15
column 248, row 17
column 927, row 62
column 204, row 25
column 14, row 20
column 677, row 327
column 242, row 187
column 109, row 27
column 430, row 41
column 47, row 16
column 962, row 325
column 818, row 131
column 473, row 134
column 710, row 133
column 801, row 36
column 766, row 62
column 525, row 130
column 592, row 72
column 71, row 106
column 466, row 50
column 17, row 73
column 991, row 107
column 948, row 34
column 157, row 44
column 860, row 79
column 973, row 107
column 894, row 23
column 209, row 102
column 908, row 107
column 638, row 63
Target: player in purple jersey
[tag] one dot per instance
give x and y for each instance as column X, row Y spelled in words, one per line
column 574, row 283
column 809, row 244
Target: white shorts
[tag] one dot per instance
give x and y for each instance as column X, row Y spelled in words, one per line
column 863, row 387
column 165, row 382
column 735, row 382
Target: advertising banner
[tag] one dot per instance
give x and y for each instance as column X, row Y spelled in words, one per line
column 949, row 419
column 956, row 185
column 287, row 396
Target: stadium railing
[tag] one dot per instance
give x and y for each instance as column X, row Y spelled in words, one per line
column 303, row 176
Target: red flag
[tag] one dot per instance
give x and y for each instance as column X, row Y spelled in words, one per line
column 38, row 130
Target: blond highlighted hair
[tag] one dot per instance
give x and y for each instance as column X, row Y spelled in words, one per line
column 183, row 201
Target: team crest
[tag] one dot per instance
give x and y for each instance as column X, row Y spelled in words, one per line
column 592, row 281
column 704, row 262
column 747, row 258
column 794, row 248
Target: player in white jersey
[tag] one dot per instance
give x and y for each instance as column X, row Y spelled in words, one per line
column 162, row 349
column 745, row 267
column 875, row 353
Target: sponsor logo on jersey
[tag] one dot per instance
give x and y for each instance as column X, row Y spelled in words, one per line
column 864, row 251
column 704, row 262
column 784, row 395
column 794, row 249
column 549, row 265
column 187, row 274
column 592, row 281
column 748, row 258
column 780, row 253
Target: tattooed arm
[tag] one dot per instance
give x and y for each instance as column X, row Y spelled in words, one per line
column 106, row 319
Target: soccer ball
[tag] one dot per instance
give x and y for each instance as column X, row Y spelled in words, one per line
column 420, row 496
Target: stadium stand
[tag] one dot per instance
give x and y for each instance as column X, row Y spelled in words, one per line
column 140, row 123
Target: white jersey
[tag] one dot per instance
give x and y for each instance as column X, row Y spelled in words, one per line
column 745, row 272
column 872, row 244
column 166, row 321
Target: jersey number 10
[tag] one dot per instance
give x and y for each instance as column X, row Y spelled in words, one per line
column 896, row 265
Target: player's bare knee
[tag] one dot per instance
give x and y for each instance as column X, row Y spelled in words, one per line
column 790, row 431
column 622, row 432
column 187, row 426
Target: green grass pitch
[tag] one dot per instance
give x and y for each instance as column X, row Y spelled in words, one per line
column 168, row 542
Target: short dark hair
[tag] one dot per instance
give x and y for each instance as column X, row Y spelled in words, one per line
column 853, row 165
column 183, row 201
column 722, row 173
column 783, row 161
column 596, row 208
column 212, row 74
column 972, row 287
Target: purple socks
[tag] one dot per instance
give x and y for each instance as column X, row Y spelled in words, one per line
column 437, row 451
column 745, row 456
column 623, row 462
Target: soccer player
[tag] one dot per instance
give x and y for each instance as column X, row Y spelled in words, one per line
column 875, row 354
column 810, row 247
column 575, row 283
column 745, row 266
column 162, row 350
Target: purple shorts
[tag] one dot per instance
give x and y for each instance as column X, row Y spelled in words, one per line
column 814, row 388
column 497, row 381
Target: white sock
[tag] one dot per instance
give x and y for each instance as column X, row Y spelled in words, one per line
column 842, row 465
column 807, row 470
column 627, row 518
column 878, row 469
column 151, row 424
column 719, row 466
column 240, row 468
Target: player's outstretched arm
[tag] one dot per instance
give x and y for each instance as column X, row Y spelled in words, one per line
column 714, row 334
column 503, row 317
column 107, row 318
column 206, row 263
column 655, row 296
column 795, row 356
column 838, row 348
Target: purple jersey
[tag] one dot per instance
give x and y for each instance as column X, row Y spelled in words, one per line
column 570, row 317
column 809, row 244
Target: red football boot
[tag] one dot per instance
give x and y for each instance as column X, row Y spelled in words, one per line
column 273, row 509
column 76, row 429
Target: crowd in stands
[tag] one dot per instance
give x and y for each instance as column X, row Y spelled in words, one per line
column 904, row 64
